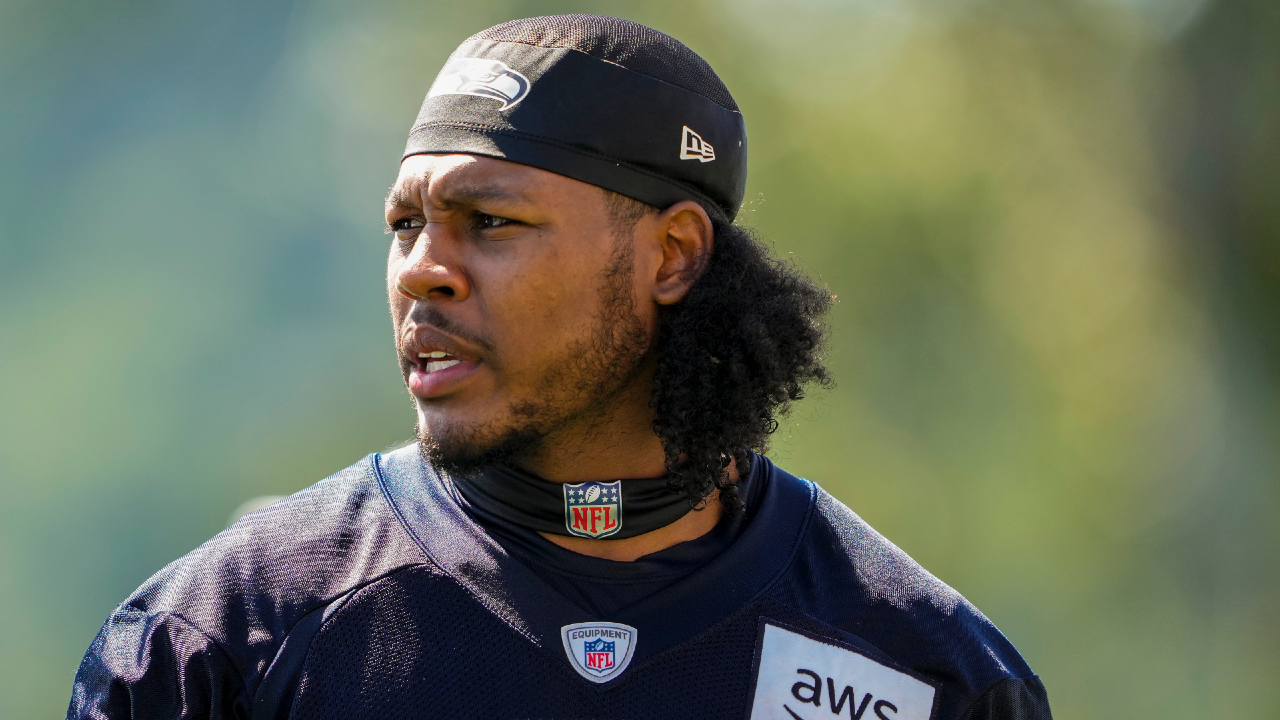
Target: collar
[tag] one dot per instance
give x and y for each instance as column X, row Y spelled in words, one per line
column 422, row 499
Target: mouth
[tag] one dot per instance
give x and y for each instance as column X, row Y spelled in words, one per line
column 435, row 361
column 435, row 366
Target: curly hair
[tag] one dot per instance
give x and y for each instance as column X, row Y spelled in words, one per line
column 732, row 356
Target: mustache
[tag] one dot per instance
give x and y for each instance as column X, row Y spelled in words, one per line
column 430, row 316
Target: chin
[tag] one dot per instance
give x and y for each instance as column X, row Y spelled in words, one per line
column 465, row 449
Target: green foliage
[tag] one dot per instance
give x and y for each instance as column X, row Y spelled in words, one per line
column 1050, row 227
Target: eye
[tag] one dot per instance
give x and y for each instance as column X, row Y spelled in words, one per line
column 406, row 229
column 488, row 222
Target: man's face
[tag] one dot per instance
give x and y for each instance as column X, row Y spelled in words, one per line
column 515, row 305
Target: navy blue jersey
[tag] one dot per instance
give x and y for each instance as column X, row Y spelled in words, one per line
column 373, row 594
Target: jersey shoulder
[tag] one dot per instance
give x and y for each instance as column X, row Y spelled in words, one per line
column 287, row 558
column 847, row 575
column 214, row 620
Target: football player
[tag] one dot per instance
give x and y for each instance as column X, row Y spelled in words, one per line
column 585, row 527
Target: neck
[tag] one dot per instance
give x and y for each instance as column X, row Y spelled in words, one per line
column 613, row 441
column 692, row 526
column 617, row 442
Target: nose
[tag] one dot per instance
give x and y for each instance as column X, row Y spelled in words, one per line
column 433, row 269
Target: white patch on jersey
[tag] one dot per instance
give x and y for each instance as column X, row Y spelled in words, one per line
column 483, row 78
column 799, row 678
column 599, row 651
column 693, row 147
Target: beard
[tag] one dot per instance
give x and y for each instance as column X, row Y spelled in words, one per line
column 592, row 373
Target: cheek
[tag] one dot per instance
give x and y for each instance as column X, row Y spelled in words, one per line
column 548, row 305
column 393, row 271
column 398, row 302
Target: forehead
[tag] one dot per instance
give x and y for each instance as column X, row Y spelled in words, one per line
column 472, row 178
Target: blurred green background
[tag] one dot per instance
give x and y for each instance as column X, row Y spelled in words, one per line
column 1052, row 228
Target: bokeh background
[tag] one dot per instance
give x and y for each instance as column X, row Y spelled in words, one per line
column 1051, row 225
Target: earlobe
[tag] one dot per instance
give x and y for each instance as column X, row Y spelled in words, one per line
column 686, row 250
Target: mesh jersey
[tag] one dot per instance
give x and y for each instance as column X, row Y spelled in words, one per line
column 373, row 595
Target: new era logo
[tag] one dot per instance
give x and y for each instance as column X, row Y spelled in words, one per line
column 693, row 147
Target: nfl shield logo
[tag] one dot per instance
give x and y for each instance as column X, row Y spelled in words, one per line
column 599, row 654
column 593, row 509
column 599, row 651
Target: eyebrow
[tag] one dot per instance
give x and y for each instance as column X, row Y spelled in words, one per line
column 405, row 195
column 399, row 196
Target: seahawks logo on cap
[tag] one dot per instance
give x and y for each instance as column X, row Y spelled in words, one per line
column 483, row 78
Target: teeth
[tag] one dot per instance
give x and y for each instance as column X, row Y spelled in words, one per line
column 436, row 354
column 434, row 366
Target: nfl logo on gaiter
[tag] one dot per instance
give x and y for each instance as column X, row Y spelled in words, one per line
column 593, row 509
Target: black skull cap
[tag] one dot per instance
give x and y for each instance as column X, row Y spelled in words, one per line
column 606, row 101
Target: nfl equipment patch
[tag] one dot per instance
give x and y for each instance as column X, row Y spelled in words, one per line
column 599, row 651
column 593, row 509
column 797, row 674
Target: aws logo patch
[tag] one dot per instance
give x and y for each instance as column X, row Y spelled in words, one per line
column 483, row 78
column 800, row 678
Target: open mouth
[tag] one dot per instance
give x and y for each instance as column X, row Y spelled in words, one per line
column 434, row 365
column 436, row 361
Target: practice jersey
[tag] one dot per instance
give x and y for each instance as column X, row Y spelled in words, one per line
column 372, row 594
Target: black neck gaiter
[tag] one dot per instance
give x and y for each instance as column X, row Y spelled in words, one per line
column 594, row 509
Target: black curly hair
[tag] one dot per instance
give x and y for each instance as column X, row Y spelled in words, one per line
column 732, row 356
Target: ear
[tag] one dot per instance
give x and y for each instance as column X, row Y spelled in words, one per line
column 687, row 239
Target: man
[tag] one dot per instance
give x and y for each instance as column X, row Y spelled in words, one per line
column 585, row 529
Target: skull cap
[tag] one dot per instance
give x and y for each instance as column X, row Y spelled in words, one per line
column 606, row 101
